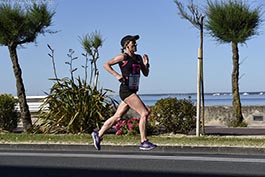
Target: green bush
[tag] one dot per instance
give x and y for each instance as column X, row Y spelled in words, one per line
column 8, row 113
column 174, row 116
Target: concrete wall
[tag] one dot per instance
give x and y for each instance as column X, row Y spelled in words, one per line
column 219, row 115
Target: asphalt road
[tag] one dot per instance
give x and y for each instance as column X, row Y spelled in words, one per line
column 48, row 163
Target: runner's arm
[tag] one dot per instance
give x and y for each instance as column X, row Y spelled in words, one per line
column 108, row 66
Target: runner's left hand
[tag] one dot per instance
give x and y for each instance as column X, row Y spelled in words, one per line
column 145, row 59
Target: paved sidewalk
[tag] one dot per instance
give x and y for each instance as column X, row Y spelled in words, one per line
column 225, row 131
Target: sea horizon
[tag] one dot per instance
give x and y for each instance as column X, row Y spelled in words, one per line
column 210, row 98
column 206, row 93
column 171, row 93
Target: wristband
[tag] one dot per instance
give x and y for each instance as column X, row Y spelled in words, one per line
column 121, row 80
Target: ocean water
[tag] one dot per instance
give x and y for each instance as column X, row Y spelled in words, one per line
column 210, row 99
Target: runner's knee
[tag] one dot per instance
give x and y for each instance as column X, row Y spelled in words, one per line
column 145, row 114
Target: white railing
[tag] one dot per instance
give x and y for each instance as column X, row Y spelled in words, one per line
column 34, row 103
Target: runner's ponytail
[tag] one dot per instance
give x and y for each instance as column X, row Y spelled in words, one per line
column 122, row 50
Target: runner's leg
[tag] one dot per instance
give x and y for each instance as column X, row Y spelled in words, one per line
column 137, row 105
column 122, row 109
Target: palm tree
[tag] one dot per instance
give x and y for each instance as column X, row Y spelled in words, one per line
column 19, row 26
column 233, row 22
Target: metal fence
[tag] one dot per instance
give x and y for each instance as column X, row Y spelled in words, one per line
column 34, row 103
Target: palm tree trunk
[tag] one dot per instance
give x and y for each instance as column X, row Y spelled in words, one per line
column 235, row 88
column 24, row 109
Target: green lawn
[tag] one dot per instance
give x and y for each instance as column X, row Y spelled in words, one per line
column 110, row 139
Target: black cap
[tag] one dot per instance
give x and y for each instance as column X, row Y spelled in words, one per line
column 129, row 38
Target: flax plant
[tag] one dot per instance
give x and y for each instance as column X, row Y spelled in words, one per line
column 73, row 106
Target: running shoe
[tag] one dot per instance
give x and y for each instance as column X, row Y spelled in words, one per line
column 146, row 145
column 96, row 140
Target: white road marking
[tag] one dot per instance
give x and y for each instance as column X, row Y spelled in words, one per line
column 134, row 156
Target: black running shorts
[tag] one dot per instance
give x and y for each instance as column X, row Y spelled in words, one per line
column 125, row 91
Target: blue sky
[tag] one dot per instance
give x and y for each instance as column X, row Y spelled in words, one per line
column 171, row 43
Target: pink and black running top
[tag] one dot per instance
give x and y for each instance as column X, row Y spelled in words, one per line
column 130, row 69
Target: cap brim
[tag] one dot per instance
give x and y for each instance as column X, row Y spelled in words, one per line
column 136, row 37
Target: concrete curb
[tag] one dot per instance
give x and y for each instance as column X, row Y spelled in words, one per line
column 134, row 149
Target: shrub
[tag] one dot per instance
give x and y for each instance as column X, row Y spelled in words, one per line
column 235, row 123
column 74, row 108
column 127, row 127
column 131, row 126
column 172, row 115
column 8, row 113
